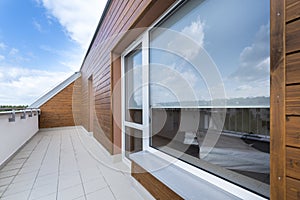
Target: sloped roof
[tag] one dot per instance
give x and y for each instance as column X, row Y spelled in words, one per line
column 38, row 103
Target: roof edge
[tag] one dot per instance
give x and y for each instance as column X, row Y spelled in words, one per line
column 108, row 3
column 42, row 100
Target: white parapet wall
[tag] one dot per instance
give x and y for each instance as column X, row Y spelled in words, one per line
column 15, row 132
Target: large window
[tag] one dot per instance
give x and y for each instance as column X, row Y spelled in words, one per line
column 201, row 77
column 209, row 88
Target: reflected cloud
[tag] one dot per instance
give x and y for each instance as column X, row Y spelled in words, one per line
column 255, row 59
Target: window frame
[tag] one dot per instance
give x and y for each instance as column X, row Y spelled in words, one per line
column 144, row 41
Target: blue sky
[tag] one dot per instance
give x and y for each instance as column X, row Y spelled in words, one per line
column 42, row 42
column 234, row 34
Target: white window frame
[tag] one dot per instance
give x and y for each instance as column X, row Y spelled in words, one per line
column 145, row 127
column 141, row 127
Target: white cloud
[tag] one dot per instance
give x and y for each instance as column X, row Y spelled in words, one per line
column 37, row 25
column 23, row 86
column 187, row 42
column 72, row 58
column 2, row 57
column 79, row 18
column 255, row 59
column 195, row 31
column 13, row 51
column 2, row 46
column 16, row 57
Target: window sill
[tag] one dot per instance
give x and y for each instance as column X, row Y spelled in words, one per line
column 185, row 184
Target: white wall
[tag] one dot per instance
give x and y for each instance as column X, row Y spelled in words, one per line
column 14, row 134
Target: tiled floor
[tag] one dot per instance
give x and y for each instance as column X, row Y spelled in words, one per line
column 65, row 164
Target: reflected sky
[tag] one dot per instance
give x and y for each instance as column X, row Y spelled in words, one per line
column 234, row 33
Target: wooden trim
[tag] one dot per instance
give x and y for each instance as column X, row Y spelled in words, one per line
column 152, row 184
column 277, row 101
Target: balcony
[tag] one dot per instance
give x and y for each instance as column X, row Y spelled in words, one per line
column 63, row 163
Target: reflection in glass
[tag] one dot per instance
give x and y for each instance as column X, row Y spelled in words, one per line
column 133, row 85
column 133, row 141
column 237, row 40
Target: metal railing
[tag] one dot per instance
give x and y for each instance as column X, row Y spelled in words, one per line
column 25, row 112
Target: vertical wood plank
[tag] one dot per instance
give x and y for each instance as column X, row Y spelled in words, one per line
column 277, row 107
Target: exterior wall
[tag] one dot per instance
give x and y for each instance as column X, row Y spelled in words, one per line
column 57, row 112
column 100, row 64
column 292, row 83
column 285, row 99
column 77, row 102
column 103, row 64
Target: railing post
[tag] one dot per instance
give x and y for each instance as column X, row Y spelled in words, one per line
column 13, row 117
column 23, row 116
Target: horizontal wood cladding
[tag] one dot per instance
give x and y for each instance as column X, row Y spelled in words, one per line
column 154, row 186
column 293, row 131
column 121, row 16
column 293, row 11
column 293, row 162
column 293, row 100
column 290, row 2
column 293, row 189
column 57, row 112
column 292, row 36
column 293, row 68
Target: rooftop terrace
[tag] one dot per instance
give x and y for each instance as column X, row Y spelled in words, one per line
column 66, row 163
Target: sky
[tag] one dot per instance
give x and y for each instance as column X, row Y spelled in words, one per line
column 42, row 42
column 237, row 46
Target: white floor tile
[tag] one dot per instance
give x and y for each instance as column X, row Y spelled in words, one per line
column 26, row 170
column 71, row 193
column 17, row 196
column 81, row 198
column 43, row 191
column 6, row 181
column 49, row 197
column 45, row 181
column 25, row 177
column 94, row 185
column 101, row 194
column 18, row 187
column 11, row 167
column 68, row 180
column 2, row 189
column 8, row 173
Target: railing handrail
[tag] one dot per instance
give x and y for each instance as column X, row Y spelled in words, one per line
column 16, row 110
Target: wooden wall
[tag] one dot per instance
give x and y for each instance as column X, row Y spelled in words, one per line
column 121, row 17
column 102, row 64
column 285, row 99
column 57, row 112
column 77, row 102
column 292, row 83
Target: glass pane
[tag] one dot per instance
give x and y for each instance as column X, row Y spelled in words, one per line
column 133, row 141
column 189, row 50
column 133, row 87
